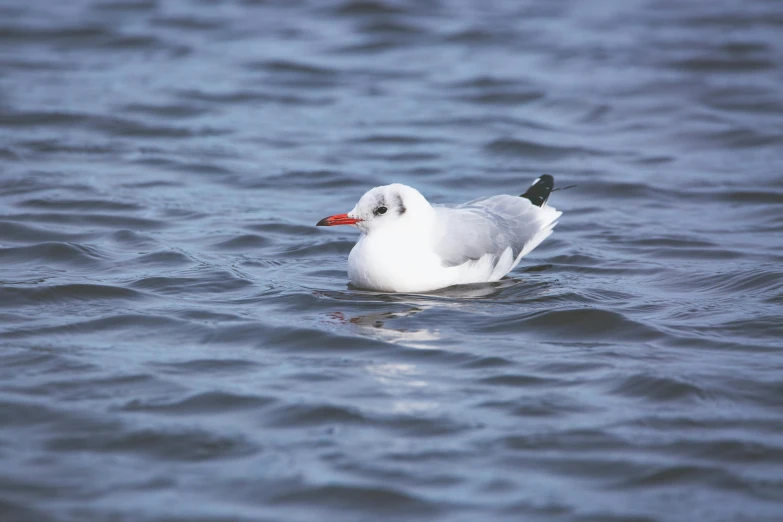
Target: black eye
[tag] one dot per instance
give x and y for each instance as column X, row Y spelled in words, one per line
column 380, row 210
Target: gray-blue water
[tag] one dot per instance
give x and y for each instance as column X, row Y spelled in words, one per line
column 179, row 342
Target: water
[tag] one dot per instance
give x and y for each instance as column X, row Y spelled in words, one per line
column 179, row 341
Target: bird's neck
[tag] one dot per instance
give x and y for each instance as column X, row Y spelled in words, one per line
column 414, row 229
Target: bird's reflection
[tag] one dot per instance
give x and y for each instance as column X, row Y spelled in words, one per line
column 397, row 322
column 394, row 323
column 404, row 381
column 377, row 325
column 407, row 384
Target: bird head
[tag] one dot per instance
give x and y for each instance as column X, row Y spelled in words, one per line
column 387, row 206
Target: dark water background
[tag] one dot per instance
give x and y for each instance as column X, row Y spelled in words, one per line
column 178, row 341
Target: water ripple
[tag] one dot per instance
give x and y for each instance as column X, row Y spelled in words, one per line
column 174, row 326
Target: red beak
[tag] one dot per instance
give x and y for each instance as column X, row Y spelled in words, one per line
column 337, row 219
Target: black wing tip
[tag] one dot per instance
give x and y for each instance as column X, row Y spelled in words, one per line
column 539, row 191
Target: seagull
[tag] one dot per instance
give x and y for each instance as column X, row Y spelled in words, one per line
column 408, row 245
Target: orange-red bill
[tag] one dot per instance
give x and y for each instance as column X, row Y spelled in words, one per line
column 337, row 219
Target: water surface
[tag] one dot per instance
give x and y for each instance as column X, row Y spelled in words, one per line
column 179, row 342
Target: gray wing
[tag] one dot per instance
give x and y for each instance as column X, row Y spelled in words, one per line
column 491, row 226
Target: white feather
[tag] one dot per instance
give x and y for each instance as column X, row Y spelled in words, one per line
column 415, row 247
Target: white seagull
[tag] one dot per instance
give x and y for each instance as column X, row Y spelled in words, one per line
column 408, row 245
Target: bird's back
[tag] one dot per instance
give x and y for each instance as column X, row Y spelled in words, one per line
column 486, row 238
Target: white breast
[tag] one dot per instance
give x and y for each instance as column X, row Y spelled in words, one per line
column 388, row 262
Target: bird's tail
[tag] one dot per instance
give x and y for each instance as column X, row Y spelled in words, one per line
column 539, row 191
